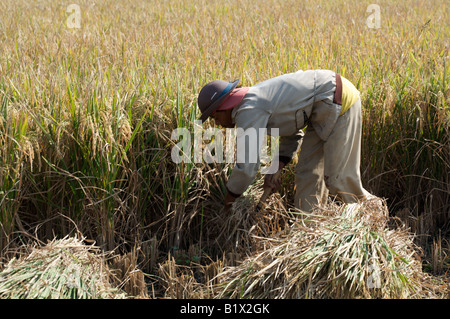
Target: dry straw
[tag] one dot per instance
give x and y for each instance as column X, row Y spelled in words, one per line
column 337, row 252
column 238, row 229
column 62, row 269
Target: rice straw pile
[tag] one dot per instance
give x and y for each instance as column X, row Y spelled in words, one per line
column 236, row 229
column 337, row 252
column 62, row 269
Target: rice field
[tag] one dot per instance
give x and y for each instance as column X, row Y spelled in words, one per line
column 91, row 91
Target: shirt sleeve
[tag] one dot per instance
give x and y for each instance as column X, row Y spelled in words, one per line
column 251, row 127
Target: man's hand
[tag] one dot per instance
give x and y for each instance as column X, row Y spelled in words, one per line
column 273, row 181
column 229, row 200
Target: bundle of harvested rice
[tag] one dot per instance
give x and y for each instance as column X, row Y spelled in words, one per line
column 236, row 229
column 62, row 269
column 338, row 252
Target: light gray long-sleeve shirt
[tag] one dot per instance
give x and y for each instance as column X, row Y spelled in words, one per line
column 285, row 102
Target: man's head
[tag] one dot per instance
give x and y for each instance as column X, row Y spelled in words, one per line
column 218, row 98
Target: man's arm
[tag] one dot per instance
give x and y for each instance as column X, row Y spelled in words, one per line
column 289, row 146
column 247, row 121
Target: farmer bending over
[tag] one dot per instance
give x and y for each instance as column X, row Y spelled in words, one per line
column 321, row 100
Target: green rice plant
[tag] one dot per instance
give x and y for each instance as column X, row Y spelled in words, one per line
column 15, row 148
column 407, row 133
